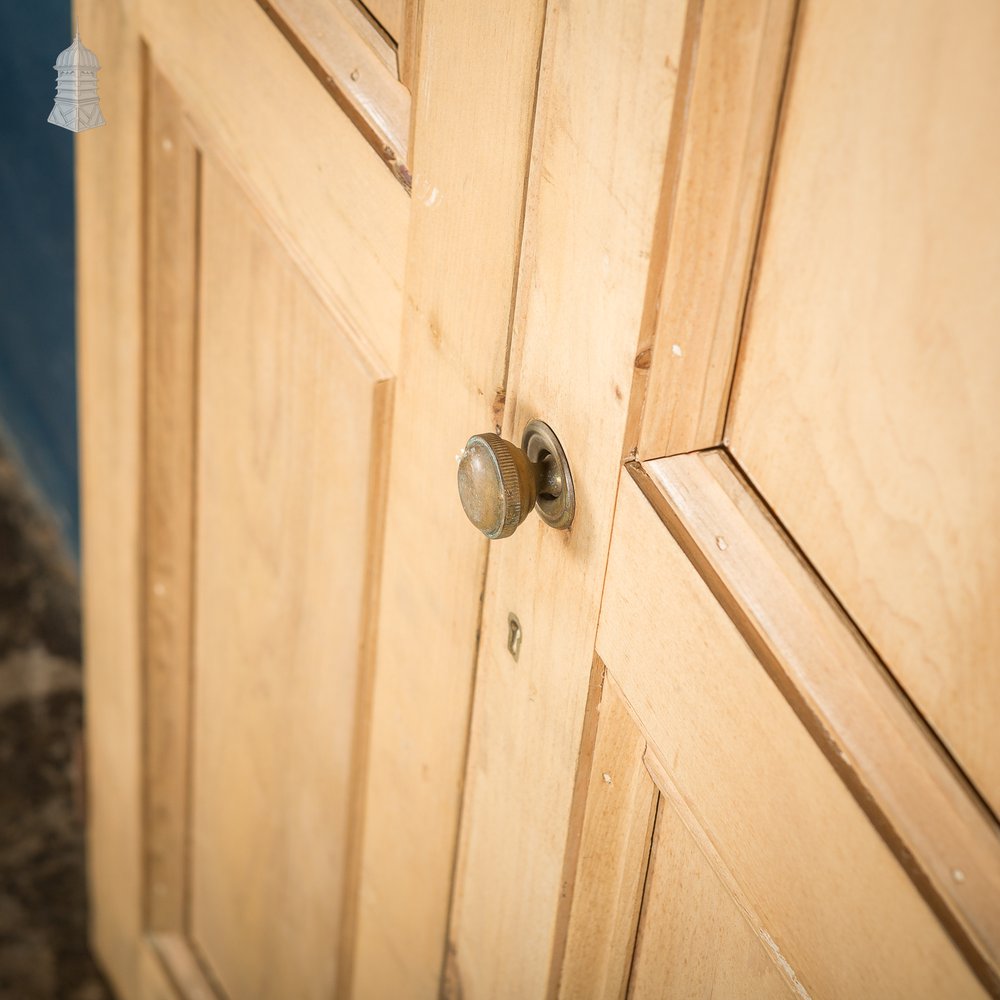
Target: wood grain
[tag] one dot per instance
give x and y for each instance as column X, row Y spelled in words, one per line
column 471, row 137
column 926, row 812
column 289, row 413
column 866, row 401
column 171, row 234
column 730, row 121
column 693, row 940
column 259, row 109
column 837, row 905
column 109, row 216
column 357, row 67
column 611, row 867
column 606, row 89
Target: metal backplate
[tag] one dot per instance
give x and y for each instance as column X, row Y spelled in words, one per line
column 541, row 445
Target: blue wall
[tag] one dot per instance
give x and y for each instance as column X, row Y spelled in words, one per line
column 37, row 351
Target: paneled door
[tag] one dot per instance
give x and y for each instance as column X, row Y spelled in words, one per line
column 748, row 745
column 293, row 307
column 732, row 731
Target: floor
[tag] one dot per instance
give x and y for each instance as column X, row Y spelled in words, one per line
column 43, row 948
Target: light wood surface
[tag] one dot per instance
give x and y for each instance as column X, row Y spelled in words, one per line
column 259, row 108
column 391, row 14
column 171, row 232
column 288, row 412
column 693, row 940
column 606, row 88
column 470, row 163
column 866, row 403
column 171, row 972
column 926, row 812
column 838, row 906
column 109, row 216
column 358, row 68
column 730, row 116
column 611, row 868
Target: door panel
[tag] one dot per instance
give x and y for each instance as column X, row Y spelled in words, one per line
column 729, row 750
column 693, row 940
column 866, row 400
column 288, row 415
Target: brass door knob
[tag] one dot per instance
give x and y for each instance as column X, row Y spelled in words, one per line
column 500, row 483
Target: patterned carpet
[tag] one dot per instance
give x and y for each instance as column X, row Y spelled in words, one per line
column 43, row 947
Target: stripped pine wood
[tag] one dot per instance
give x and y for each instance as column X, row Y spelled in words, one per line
column 171, row 234
column 693, row 940
column 357, row 67
column 866, row 401
column 109, row 216
column 288, row 412
column 611, row 869
column 319, row 183
column 606, row 89
column 170, row 971
column 837, row 905
column 391, row 15
column 711, row 225
column 462, row 263
column 408, row 51
column 926, row 812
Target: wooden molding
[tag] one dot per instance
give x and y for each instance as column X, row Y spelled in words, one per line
column 921, row 804
column 731, row 81
column 358, row 68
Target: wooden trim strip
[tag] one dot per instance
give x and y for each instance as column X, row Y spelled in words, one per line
column 355, row 70
column 923, row 808
column 712, row 218
column 605, row 889
column 171, row 287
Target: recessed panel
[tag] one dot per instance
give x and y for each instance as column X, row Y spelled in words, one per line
column 868, row 389
column 289, row 423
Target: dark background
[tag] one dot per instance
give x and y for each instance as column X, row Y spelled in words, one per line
column 37, row 351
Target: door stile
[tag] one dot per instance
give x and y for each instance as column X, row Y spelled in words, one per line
column 606, row 93
column 461, row 267
column 109, row 334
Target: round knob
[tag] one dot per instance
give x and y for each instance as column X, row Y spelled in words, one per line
column 499, row 483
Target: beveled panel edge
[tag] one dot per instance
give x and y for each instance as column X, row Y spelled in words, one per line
column 355, row 77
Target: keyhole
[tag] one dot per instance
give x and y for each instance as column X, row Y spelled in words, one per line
column 513, row 636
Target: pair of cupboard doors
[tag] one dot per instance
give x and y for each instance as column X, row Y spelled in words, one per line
column 735, row 732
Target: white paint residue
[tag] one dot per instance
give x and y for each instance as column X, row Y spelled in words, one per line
column 607, row 778
column 676, row 351
column 783, row 964
column 958, row 875
column 426, row 192
column 722, row 543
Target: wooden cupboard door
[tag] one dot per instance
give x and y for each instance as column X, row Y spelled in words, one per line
column 759, row 267
column 286, row 328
